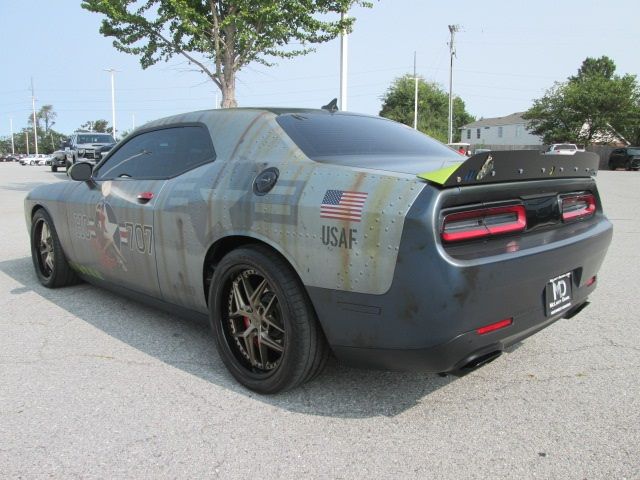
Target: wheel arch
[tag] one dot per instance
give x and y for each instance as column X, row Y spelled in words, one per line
column 224, row 245
column 39, row 206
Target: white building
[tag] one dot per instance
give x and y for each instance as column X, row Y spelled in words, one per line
column 509, row 130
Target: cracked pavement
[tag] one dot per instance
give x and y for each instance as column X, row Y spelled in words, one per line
column 96, row 386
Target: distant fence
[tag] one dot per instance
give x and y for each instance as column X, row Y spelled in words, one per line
column 603, row 151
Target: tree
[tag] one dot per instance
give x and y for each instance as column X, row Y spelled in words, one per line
column 433, row 107
column 219, row 37
column 48, row 116
column 589, row 106
column 100, row 126
column 45, row 114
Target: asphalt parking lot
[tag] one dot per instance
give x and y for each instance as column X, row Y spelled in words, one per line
column 93, row 385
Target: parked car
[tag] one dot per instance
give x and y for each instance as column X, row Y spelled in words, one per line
column 299, row 232
column 29, row 160
column 82, row 146
column 481, row 150
column 562, row 149
column 627, row 158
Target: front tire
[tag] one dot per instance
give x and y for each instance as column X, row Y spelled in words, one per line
column 266, row 330
column 51, row 265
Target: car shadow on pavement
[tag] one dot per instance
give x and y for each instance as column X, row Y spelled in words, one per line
column 340, row 391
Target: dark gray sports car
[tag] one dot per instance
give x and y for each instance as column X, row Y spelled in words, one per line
column 303, row 232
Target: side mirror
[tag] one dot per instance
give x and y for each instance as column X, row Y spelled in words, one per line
column 81, row 171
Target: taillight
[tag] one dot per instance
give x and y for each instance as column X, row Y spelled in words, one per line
column 577, row 207
column 484, row 222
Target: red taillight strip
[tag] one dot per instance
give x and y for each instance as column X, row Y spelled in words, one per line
column 483, row 229
column 587, row 210
column 494, row 326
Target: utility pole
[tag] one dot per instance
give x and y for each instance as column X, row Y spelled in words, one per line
column 26, row 134
column 415, row 95
column 344, row 37
column 452, row 53
column 13, row 146
column 35, row 124
column 113, row 102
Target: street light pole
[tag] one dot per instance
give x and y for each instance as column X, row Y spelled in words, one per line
column 344, row 37
column 35, row 124
column 452, row 52
column 13, row 147
column 415, row 95
column 113, row 101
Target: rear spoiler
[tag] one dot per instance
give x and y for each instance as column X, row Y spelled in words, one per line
column 513, row 166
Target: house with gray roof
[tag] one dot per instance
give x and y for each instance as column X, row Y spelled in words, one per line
column 510, row 130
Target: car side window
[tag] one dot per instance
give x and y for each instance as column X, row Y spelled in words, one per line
column 159, row 154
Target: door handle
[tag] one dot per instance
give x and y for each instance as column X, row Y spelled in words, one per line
column 144, row 197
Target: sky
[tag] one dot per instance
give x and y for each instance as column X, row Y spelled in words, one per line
column 508, row 53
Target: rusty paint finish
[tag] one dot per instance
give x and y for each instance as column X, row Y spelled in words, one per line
column 193, row 211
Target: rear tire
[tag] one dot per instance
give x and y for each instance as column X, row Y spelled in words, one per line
column 54, row 168
column 51, row 265
column 611, row 165
column 266, row 330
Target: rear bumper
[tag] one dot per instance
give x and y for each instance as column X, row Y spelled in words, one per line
column 427, row 320
column 459, row 356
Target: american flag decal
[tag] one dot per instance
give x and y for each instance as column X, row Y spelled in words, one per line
column 343, row 205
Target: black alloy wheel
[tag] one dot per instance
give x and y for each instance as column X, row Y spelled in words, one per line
column 48, row 258
column 266, row 330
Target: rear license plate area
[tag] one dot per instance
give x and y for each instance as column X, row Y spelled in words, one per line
column 558, row 294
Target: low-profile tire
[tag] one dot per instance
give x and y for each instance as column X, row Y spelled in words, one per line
column 51, row 265
column 54, row 168
column 265, row 327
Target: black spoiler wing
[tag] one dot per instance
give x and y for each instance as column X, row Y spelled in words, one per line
column 514, row 165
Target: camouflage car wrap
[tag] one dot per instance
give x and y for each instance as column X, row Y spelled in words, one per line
column 364, row 242
column 207, row 204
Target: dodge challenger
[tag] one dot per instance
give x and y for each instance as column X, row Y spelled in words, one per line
column 303, row 233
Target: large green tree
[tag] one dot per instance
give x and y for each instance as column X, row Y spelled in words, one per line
column 589, row 106
column 433, row 107
column 219, row 37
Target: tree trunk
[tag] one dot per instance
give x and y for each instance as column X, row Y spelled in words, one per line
column 229, row 94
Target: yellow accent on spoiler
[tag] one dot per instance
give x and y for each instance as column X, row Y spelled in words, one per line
column 439, row 176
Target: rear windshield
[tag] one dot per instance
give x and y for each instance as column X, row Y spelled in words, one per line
column 633, row 151
column 326, row 138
